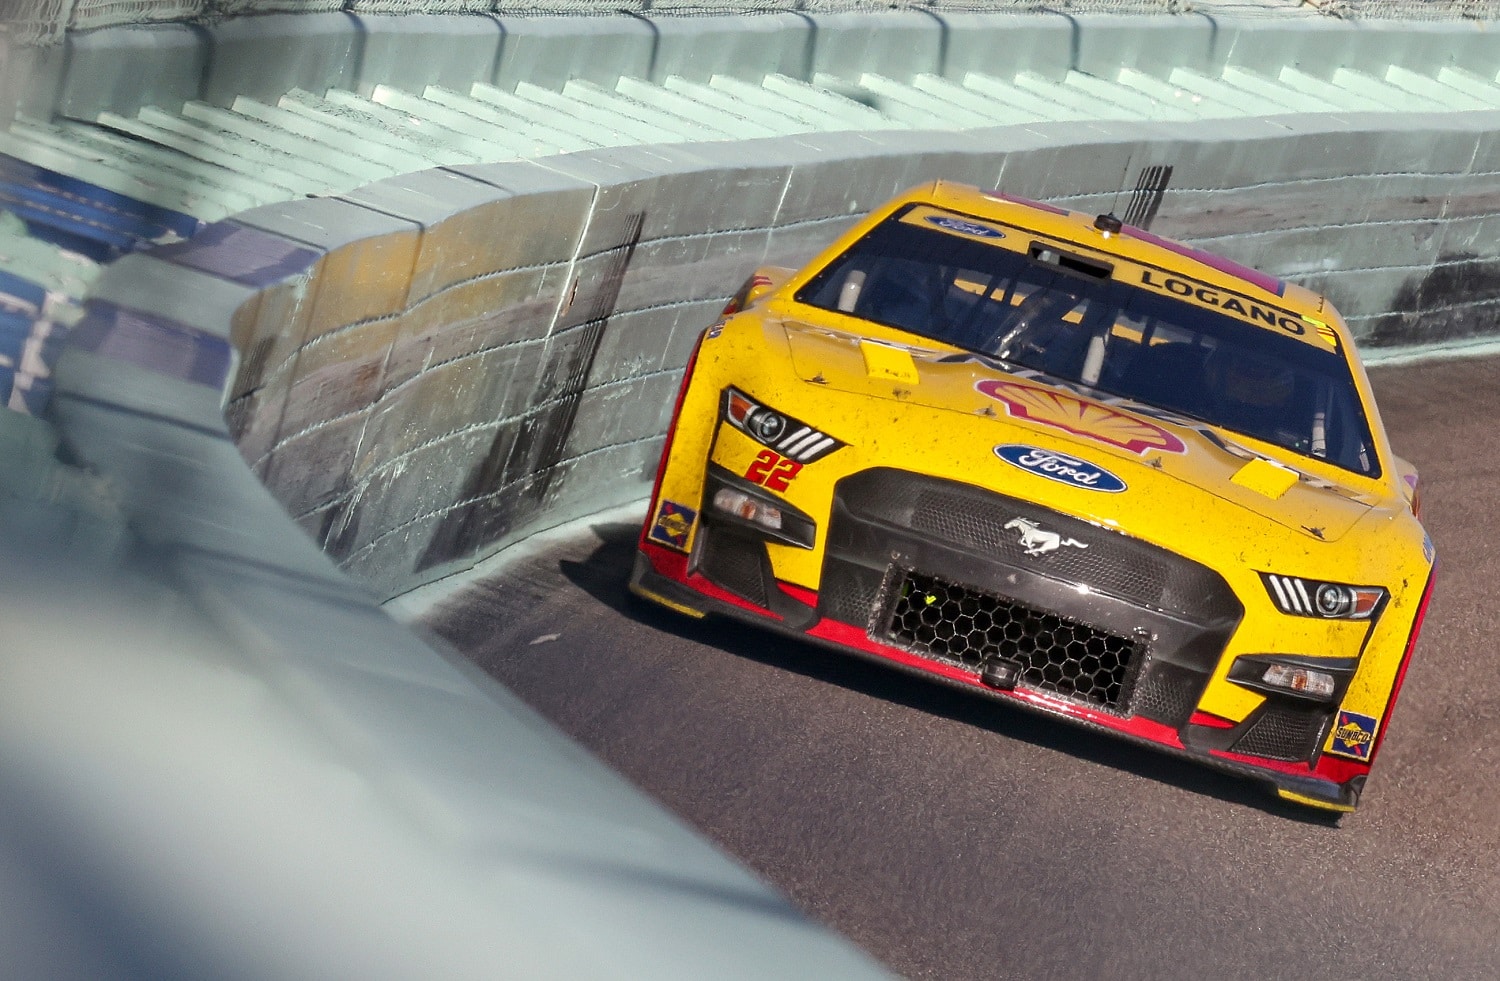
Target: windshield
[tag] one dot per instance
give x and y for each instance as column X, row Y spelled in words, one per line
column 1060, row 314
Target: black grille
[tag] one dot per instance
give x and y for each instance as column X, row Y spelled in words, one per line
column 849, row 592
column 1167, row 694
column 975, row 519
column 736, row 563
column 961, row 625
column 1283, row 733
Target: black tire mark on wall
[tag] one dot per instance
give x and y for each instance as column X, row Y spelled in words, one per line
column 511, row 483
column 1459, row 297
column 1145, row 200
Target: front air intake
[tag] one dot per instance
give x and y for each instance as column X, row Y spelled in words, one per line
column 960, row 625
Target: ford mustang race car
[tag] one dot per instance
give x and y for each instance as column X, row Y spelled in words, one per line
column 1062, row 461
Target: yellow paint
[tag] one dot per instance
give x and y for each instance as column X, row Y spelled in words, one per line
column 764, row 281
column 884, row 361
column 645, row 593
column 1266, row 478
column 734, row 451
column 1325, row 805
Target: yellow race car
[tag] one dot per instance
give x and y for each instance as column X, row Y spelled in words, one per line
column 1057, row 459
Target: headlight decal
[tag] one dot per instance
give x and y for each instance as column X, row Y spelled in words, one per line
column 1323, row 600
column 1291, row 594
column 792, row 438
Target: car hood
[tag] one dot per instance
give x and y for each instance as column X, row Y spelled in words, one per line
column 1011, row 411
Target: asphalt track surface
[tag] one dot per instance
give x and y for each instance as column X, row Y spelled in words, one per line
column 954, row 837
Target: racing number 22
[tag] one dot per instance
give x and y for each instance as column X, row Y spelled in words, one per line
column 772, row 471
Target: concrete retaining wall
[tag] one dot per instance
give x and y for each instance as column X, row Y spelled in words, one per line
column 439, row 364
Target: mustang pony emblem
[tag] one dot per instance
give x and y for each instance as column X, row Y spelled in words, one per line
column 1036, row 541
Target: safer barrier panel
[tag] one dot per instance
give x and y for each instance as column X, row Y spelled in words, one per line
column 412, row 51
column 343, row 332
column 264, row 57
column 548, row 51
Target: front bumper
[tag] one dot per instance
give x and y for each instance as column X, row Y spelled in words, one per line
column 1095, row 627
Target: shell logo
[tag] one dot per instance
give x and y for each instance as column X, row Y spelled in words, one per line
column 1091, row 420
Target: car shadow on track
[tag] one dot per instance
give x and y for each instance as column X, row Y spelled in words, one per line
column 605, row 573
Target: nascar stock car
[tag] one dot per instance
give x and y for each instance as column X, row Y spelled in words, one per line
column 1065, row 462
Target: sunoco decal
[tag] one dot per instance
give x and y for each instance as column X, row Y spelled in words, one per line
column 1354, row 735
column 1056, row 466
column 1081, row 417
column 673, row 522
column 964, row 227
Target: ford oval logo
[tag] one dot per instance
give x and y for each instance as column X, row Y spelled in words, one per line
column 1060, row 467
column 965, row 227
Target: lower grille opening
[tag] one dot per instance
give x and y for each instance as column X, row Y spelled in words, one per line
column 1283, row 733
column 736, row 562
column 961, row 625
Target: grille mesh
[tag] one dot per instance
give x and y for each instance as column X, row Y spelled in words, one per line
column 1167, row 695
column 957, row 624
column 849, row 593
column 975, row 519
column 736, row 564
column 958, row 518
column 1282, row 733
